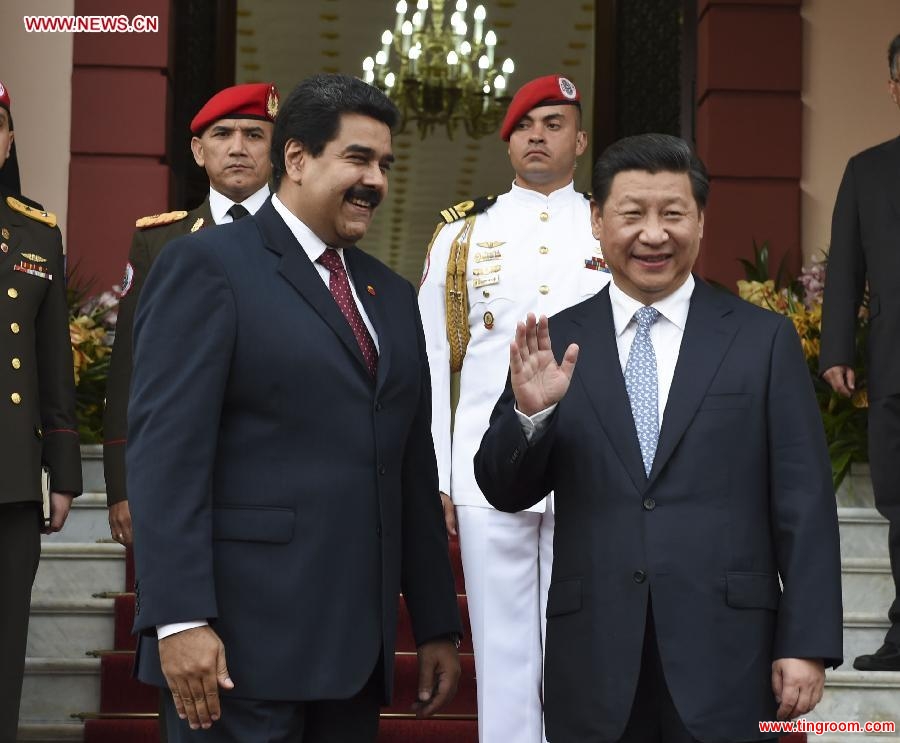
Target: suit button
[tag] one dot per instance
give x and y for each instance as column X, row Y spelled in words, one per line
column 544, row 289
column 639, row 576
column 16, row 363
column 543, row 250
column 14, row 327
column 382, row 470
column 16, row 398
column 377, row 407
column 544, row 216
column 38, row 433
column 378, row 531
column 12, row 293
column 649, row 504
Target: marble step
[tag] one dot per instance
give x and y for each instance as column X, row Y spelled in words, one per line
column 87, row 521
column 78, row 570
column 867, row 584
column 856, row 489
column 38, row 732
column 861, row 696
column 864, row 532
column 69, row 628
column 863, row 633
column 56, row 688
column 92, row 468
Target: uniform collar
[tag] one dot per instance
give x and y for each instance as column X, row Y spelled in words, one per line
column 219, row 204
column 534, row 199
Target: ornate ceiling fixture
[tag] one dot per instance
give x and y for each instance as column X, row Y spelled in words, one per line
column 441, row 72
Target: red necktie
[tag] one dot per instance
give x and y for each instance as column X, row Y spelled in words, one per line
column 339, row 285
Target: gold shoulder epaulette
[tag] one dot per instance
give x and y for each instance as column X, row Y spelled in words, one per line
column 157, row 220
column 467, row 208
column 47, row 218
column 588, row 195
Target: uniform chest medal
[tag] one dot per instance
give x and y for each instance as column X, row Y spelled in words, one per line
column 33, row 269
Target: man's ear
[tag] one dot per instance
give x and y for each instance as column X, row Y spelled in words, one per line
column 596, row 220
column 581, row 142
column 295, row 158
column 12, row 137
column 197, row 149
column 700, row 221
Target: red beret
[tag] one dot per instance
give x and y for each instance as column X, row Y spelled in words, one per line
column 248, row 101
column 550, row 90
column 4, row 97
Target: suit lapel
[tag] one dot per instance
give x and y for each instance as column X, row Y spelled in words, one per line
column 297, row 269
column 600, row 373
column 363, row 282
column 708, row 333
column 891, row 177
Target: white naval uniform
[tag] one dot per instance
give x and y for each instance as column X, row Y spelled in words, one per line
column 537, row 246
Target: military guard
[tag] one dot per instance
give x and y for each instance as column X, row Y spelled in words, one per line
column 491, row 261
column 232, row 136
column 39, row 430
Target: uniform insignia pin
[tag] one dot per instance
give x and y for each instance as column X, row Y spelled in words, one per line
column 34, row 257
column 197, row 225
column 371, row 289
column 5, row 233
column 491, row 243
column 4, row 247
column 489, row 320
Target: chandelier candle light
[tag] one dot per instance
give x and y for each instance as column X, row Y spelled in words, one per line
column 440, row 71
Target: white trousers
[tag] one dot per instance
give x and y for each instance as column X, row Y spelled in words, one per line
column 507, row 559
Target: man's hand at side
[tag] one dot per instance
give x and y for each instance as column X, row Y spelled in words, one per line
column 438, row 676
column 193, row 662
column 449, row 514
column 798, row 685
column 841, row 378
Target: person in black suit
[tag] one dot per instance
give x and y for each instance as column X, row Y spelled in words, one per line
column 696, row 580
column 37, row 407
column 865, row 247
column 280, row 466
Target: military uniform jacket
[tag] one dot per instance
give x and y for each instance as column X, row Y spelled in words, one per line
column 36, row 374
column 146, row 245
column 528, row 253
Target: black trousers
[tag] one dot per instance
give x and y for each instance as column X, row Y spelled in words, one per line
column 20, row 551
column 353, row 720
column 884, row 461
column 654, row 718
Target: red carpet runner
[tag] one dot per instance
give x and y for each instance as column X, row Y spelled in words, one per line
column 128, row 708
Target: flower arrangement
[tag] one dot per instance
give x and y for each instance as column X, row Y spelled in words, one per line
column 92, row 322
column 800, row 299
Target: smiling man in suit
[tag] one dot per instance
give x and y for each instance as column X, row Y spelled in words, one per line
column 865, row 254
column 280, row 464
column 680, row 434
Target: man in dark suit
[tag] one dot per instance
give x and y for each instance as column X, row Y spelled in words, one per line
column 690, row 470
column 231, row 142
column 865, row 247
column 37, row 407
column 280, row 466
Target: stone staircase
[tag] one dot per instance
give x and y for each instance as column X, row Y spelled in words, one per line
column 867, row 591
column 69, row 621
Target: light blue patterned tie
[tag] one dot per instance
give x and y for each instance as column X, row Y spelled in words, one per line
column 642, row 385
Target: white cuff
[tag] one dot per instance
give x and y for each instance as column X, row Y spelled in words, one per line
column 164, row 630
column 536, row 423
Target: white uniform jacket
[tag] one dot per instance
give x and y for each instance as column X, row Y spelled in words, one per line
column 528, row 253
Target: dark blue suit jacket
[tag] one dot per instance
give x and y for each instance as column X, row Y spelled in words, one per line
column 276, row 489
column 739, row 495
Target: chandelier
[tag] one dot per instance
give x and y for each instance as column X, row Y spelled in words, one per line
column 441, row 72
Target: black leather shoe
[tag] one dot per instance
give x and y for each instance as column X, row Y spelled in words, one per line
column 886, row 658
